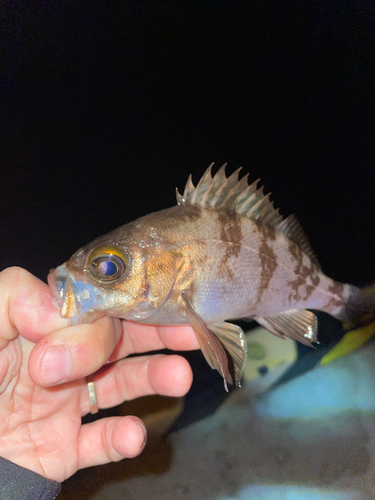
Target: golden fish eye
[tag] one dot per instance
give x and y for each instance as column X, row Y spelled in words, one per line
column 107, row 264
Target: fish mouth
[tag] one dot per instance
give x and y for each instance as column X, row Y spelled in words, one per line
column 57, row 298
column 77, row 300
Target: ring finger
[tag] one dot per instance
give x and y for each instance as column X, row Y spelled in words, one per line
column 167, row 375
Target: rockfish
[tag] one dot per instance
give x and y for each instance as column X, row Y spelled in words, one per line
column 223, row 252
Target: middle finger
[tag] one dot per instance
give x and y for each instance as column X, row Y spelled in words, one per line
column 138, row 338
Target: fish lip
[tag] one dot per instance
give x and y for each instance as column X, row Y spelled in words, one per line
column 62, row 288
column 51, row 280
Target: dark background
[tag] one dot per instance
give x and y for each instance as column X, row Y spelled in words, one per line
column 106, row 107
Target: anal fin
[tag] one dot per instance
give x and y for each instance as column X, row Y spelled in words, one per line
column 297, row 324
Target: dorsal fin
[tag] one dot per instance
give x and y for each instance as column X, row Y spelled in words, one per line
column 236, row 194
column 231, row 193
column 293, row 230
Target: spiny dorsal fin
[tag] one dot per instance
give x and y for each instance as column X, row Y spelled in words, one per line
column 231, row 193
column 234, row 194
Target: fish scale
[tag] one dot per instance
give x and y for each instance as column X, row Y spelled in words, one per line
column 222, row 253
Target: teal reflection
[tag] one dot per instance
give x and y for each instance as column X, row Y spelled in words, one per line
column 265, row 492
column 347, row 385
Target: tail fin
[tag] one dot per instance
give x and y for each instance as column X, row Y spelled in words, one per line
column 360, row 307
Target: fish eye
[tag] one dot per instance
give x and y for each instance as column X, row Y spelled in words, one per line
column 107, row 264
column 108, row 267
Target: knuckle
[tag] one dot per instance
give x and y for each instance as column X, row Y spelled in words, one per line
column 12, row 278
column 12, row 273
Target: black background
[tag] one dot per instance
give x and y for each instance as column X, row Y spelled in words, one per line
column 106, row 107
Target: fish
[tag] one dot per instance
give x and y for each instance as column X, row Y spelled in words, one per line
column 222, row 253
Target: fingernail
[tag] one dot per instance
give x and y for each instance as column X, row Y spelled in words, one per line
column 142, row 428
column 56, row 365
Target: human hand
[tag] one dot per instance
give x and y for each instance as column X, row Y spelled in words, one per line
column 43, row 386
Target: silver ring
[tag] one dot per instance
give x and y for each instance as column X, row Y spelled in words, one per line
column 92, row 394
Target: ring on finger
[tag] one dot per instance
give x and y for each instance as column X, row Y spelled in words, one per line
column 92, row 394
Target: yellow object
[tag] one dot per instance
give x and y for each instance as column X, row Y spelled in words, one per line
column 351, row 340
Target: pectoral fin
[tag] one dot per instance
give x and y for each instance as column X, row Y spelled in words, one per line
column 212, row 348
column 297, row 324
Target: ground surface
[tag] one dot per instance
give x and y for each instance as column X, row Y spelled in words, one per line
column 312, row 438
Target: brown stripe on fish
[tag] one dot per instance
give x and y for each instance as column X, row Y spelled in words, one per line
column 190, row 213
column 231, row 235
column 303, row 273
column 268, row 258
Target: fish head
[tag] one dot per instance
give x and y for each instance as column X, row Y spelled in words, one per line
column 104, row 277
column 123, row 276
